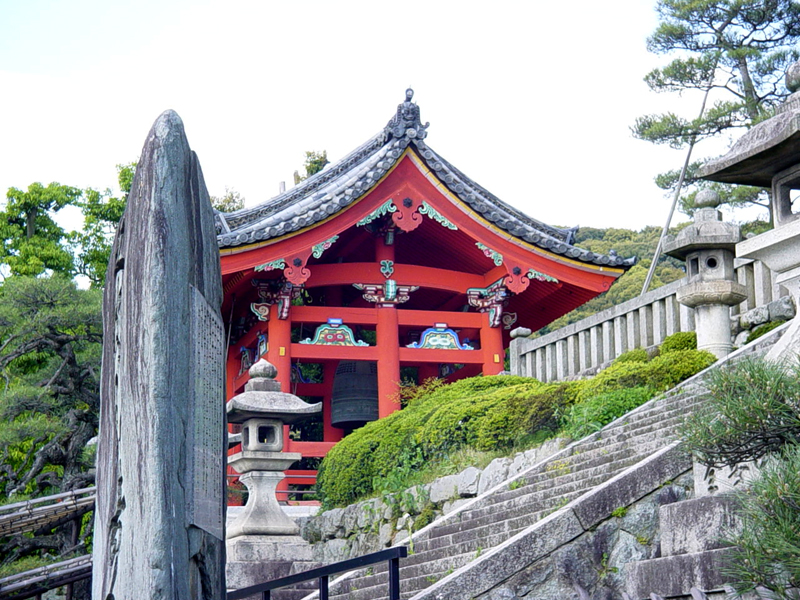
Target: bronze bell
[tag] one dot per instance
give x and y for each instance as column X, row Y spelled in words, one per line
column 354, row 400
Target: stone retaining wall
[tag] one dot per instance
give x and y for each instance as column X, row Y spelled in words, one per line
column 372, row 525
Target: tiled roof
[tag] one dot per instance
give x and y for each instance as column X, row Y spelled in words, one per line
column 338, row 186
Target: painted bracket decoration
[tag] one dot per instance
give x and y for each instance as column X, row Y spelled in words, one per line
column 533, row 274
column 385, row 208
column 427, row 209
column 491, row 299
column 318, row 249
column 407, row 216
column 386, row 294
column 508, row 320
column 496, row 257
column 334, row 333
column 272, row 291
column 296, row 270
column 294, row 267
column 271, row 266
column 387, row 268
column 440, row 337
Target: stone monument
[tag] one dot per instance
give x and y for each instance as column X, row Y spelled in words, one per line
column 160, row 514
column 769, row 156
column 707, row 246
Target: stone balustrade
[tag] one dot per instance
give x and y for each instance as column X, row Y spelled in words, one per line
column 584, row 347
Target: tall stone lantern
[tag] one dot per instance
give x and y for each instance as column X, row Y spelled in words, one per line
column 769, row 156
column 262, row 409
column 707, row 246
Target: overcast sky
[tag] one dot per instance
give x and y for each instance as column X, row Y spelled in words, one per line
column 533, row 100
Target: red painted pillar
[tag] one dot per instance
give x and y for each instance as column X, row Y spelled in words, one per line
column 492, row 346
column 280, row 346
column 329, row 432
column 388, row 361
column 388, row 340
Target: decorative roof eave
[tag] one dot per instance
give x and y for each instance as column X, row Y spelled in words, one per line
column 333, row 190
column 764, row 151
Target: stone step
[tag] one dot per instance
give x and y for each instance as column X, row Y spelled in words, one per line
column 412, row 579
column 545, row 490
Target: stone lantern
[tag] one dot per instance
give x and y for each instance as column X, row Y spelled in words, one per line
column 768, row 155
column 263, row 409
column 708, row 246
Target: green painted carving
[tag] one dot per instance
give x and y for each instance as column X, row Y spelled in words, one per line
column 385, row 208
column 427, row 209
column 496, row 257
column 440, row 337
column 272, row 266
column 533, row 274
column 318, row 249
column 387, row 268
column 333, row 333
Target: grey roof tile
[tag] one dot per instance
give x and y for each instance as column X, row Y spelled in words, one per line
column 336, row 187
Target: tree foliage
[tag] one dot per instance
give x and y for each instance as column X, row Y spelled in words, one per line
column 101, row 213
column 315, row 162
column 752, row 413
column 50, row 348
column 31, row 242
column 230, row 202
column 624, row 242
column 740, row 49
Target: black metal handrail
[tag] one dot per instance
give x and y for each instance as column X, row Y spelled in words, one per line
column 391, row 555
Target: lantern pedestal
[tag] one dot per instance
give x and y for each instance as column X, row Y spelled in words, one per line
column 262, row 515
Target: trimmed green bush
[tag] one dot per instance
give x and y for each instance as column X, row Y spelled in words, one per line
column 661, row 373
column 437, row 420
column 638, row 355
column 540, row 409
column 668, row 370
column 683, row 340
column 763, row 329
column 591, row 415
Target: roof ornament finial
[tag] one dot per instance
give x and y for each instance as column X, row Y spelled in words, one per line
column 406, row 122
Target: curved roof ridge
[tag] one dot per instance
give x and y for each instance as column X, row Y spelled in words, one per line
column 329, row 191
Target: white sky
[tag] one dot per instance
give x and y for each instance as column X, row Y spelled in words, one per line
column 533, row 100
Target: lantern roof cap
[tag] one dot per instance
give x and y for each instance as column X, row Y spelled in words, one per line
column 262, row 399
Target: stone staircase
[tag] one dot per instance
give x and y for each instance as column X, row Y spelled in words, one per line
column 466, row 553
column 458, row 539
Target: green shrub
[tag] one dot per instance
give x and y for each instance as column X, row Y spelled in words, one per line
column 763, row 329
column 668, row 370
column 661, row 373
column 541, row 408
column 683, row 340
column 438, row 419
column 638, row 355
column 590, row 416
